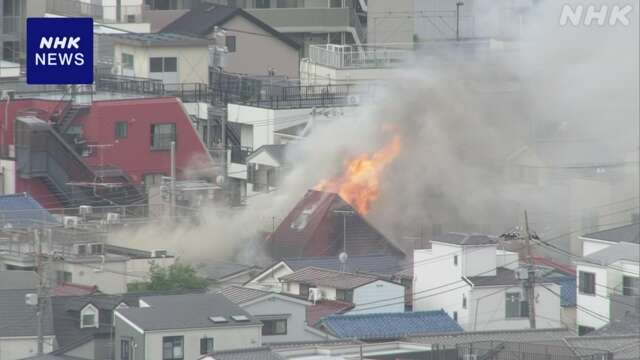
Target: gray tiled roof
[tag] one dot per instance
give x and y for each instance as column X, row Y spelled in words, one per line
column 19, row 319
column 160, row 39
column 373, row 264
column 628, row 325
column 15, row 280
column 260, row 353
column 503, row 276
column 466, row 239
column 323, row 277
column 52, row 357
column 186, row 312
column 216, row 270
column 627, row 233
column 240, row 294
column 545, row 336
column 613, row 253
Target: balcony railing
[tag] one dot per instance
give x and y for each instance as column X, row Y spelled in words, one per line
column 366, row 56
column 107, row 14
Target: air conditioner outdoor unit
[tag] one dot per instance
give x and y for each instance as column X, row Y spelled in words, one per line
column 353, row 100
column 71, row 221
column 113, row 218
column 315, row 295
column 158, row 253
column 522, row 273
column 85, row 209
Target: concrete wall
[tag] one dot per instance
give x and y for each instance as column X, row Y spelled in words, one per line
column 478, row 260
column 257, row 51
column 596, row 304
column 390, row 21
column 112, row 279
column 296, row 315
column 378, row 297
column 316, row 74
column 226, row 338
column 193, row 62
column 15, row 348
column 139, row 269
column 487, row 309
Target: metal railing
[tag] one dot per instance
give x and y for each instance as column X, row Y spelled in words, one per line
column 107, row 14
column 365, row 56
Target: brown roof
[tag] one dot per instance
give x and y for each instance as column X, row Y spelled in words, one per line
column 329, row 278
column 312, row 229
column 325, row 308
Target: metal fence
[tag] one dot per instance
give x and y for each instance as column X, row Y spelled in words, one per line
column 365, row 56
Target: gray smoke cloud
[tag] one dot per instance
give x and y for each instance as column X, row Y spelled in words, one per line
column 463, row 121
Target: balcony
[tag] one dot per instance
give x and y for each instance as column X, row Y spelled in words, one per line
column 104, row 14
column 352, row 57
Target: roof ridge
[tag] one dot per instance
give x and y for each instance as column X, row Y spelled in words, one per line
column 335, row 271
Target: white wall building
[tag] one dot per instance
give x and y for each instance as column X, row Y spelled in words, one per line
column 608, row 285
column 477, row 286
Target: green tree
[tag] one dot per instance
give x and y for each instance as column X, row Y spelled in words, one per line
column 177, row 276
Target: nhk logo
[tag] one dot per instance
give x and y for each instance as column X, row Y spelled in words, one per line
column 588, row 15
column 59, row 51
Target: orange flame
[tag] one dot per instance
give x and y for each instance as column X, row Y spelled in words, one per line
column 359, row 185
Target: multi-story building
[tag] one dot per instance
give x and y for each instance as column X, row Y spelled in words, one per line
column 608, row 285
column 13, row 15
column 466, row 276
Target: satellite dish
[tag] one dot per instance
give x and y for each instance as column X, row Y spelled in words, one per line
column 343, row 257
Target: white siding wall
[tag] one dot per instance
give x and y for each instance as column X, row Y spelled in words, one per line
column 378, row 297
column 22, row 347
column 226, row 338
column 476, row 260
column 487, row 309
column 597, row 304
column 589, row 246
column 8, row 175
column 111, row 280
column 271, row 282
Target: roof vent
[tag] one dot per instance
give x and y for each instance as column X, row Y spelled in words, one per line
column 218, row 319
column 239, row 318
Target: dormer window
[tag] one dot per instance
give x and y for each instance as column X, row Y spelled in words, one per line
column 89, row 317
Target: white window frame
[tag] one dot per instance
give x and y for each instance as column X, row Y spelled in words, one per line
column 93, row 311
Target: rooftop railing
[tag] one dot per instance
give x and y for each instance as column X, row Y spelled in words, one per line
column 365, row 56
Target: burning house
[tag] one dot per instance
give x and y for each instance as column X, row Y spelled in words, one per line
column 324, row 224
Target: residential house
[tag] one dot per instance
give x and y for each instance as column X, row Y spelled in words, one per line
column 265, row 167
column 175, row 59
column 83, row 325
column 19, row 324
column 283, row 316
column 183, row 327
column 323, row 308
column 475, row 289
column 608, row 286
column 385, row 266
column 144, row 126
column 139, row 262
column 620, row 337
column 602, row 239
column 368, row 294
column 250, row 45
column 262, row 353
column 314, row 228
column 115, row 13
column 389, row 326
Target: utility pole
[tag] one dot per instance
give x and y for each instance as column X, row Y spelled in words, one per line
column 41, row 297
column 531, row 275
column 344, row 213
column 458, row 5
column 173, row 180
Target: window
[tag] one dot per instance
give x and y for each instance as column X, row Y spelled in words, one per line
column 96, row 249
column 127, row 61
column 335, row 3
column 583, row 330
column 82, row 249
column 89, row 317
column 630, row 286
column 344, row 295
column 513, row 306
column 172, row 348
column 287, row 3
column 455, row 260
column 587, row 283
column 206, row 345
column 263, row 4
column 63, row 277
column 274, row 327
column 304, row 290
column 125, row 349
column 464, row 301
column 163, row 64
column 162, row 135
column 230, row 43
column 455, row 316
column 121, row 129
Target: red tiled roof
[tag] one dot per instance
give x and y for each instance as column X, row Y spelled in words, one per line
column 312, row 229
column 566, row 269
column 325, row 308
column 69, row 289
